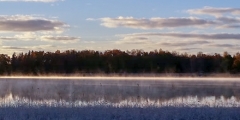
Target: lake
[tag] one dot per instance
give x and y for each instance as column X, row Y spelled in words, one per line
column 119, row 98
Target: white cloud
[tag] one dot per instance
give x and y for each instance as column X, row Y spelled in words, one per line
column 161, row 23
column 28, row 23
column 13, row 48
column 133, row 40
column 91, row 19
column 28, row 27
column 18, row 49
column 216, row 36
column 219, row 21
column 24, row 36
column 48, row 38
column 184, row 43
column 214, row 11
column 41, row 47
column 63, row 39
column 59, row 38
column 154, row 23
column 26, row 48
column 3, row 38
column 89, row 42
column 225, row 45
column 188, row 49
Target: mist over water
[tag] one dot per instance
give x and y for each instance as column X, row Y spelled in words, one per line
column 119, row 98
column 113, row 90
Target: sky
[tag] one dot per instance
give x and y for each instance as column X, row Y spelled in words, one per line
column 183, row 26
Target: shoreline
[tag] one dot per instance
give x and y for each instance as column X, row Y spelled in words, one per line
column 165, row 75
column 150, row 77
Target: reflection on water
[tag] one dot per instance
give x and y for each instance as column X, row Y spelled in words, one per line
column 118, row 93
column 10, row 101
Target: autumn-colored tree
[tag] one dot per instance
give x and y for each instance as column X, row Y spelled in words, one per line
column 117, row 61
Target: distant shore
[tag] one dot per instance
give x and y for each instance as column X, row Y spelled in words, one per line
column 227, row 75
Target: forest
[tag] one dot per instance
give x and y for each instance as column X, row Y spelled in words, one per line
column 117, row 61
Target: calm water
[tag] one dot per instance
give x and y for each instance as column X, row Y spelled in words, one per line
column 120, row 98
column 121, row 92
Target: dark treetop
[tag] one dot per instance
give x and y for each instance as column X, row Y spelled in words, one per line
column 116, row 61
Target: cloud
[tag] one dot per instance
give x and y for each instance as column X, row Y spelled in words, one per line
column 18, row 49
column 41, row 47
column 45, row 1
column 177, row 41
column 187, row 49
column 60, row 38
column 32, row 36
column 8, row 38
column 217, row 36
column 214, row 11
column 89, row 42
column 224, row 45
column 91, row 19
column 228, row 22
column 26, row 23
column 229, row 19
column 154, row 23
column 26, row 48
column 13, row 48
column 133, row 40
column 230, row 26
column 63, row 39
column 185, row 43
column 24, row 36
column 172, row 22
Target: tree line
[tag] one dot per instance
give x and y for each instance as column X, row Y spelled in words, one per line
column 117, row 61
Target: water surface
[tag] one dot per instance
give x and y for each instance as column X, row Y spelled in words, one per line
column 108, row 98
column 193, row 92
